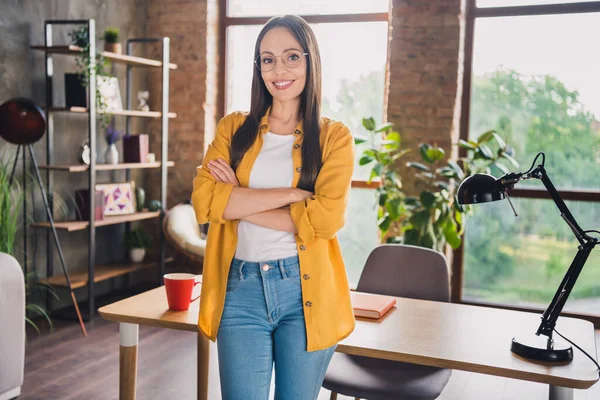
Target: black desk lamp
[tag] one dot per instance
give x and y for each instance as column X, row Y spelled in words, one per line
column 481, row 188
column 23, row 123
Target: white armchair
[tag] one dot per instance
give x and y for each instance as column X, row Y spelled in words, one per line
column 12, row 327
column 183, row 232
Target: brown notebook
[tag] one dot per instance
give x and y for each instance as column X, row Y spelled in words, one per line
column 371, row 305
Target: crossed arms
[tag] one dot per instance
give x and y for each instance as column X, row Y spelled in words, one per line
column 217, row 196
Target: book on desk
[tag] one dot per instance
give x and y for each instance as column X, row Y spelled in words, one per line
column 370, row 305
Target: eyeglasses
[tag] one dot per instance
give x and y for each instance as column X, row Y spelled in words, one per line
column 291, row 59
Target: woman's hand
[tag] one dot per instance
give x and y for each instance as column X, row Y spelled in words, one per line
column 222, row 171
column 301, row 195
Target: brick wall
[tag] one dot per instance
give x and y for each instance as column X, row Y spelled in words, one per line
column 425, row 78
column 192, row 28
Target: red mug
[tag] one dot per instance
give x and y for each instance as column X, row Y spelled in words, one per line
column 179, row 287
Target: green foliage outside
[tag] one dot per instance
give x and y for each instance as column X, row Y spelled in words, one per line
column 522, row 260
column 507, row 259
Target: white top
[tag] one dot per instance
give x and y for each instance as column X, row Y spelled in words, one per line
column 273, row 168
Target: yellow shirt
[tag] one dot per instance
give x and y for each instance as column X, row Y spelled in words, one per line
column 325, row 291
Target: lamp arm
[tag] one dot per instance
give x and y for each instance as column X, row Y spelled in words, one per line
column 587, row 243
column 541, row 174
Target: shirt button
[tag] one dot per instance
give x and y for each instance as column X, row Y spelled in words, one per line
column 298, row 169
column 306, row 276
column 296, row 146
column 302, row 247
column 308, row 304
column 265, row 267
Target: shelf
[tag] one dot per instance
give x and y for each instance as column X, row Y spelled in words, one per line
column 103, row 167
column 101, row 273
column 71, row 226
column 128, row 113
column 114, row 57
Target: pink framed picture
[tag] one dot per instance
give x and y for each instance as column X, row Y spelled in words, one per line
column 118, row 198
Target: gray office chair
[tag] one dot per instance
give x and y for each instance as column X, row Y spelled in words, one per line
column 402, row 271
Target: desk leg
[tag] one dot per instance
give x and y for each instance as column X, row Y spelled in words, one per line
column 203, row 358
column 128, row 360
column 560, row 393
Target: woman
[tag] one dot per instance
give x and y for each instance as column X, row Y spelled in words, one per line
column 274, row 186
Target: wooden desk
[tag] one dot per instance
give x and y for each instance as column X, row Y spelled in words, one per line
column 446, row 335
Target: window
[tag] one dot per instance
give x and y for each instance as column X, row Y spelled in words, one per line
column 538, row 87
column 353, row 40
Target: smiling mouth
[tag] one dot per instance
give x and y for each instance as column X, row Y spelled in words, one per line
column 283, row 84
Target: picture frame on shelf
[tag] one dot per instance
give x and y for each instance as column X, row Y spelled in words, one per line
column 108, row 88
column 118, row 198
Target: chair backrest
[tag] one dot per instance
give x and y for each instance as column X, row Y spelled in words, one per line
column 406, row 271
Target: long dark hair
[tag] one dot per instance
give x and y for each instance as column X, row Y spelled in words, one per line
column 310, row 104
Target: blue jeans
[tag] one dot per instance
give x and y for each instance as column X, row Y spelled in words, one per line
column 262, row 324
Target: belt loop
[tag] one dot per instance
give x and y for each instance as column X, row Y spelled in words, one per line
column 241, row 270
column 282, row 268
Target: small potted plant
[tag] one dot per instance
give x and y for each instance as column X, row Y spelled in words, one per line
column 136, row 242
column 111, row 40
column 111, row 156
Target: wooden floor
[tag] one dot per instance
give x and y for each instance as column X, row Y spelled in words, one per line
column 63, row 365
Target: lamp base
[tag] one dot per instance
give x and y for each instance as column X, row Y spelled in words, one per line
column 536, row 348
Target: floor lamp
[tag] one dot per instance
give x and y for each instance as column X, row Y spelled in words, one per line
column 23, row 123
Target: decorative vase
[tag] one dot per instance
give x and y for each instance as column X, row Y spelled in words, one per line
column 113, row 48
column 111, row 156
column 137, row 255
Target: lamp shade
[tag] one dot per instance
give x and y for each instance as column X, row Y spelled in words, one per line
column 479, row 188
column 21, row 121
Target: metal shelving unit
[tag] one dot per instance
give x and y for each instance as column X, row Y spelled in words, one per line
column 97, row 273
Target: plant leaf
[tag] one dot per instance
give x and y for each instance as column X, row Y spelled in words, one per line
column 382, row 198
column 384, row 223
column 30, row 322
column 393, row 136
column 384, row 127
column 499, row 140
column 411, row 236
column 435, row 154
column 514, row 162
column 423, row 149
column 369, row 123
column 466, row 145
column 502, row 168
column 459, row 172
column 364, row 160
column 484, row 137
column 451, row 235
column 412, row 201
column 416, row 165
column 427, row 199
column 420, row 219
column 486, row 152
column 359, row 140
column 442, row 185
column 394, row 239
column 393, row 208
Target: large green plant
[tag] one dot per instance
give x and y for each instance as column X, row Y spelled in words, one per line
column 11, row 198
column 433, row 218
